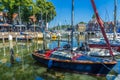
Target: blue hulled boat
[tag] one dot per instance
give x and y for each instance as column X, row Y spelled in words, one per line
column 75, row 63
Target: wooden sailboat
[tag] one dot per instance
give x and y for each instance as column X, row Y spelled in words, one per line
column 76, row 62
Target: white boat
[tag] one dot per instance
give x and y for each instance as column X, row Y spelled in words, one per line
column 24, row 37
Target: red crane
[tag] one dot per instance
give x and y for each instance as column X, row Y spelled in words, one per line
column 102, row 27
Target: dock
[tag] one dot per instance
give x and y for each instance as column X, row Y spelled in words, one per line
column 16, row 34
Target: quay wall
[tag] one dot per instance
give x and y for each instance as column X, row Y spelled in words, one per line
column 17, row 34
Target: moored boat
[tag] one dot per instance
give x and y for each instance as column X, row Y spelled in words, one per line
column 100, row 43
column 95, row 51
column 24, row 37
column 75, row 61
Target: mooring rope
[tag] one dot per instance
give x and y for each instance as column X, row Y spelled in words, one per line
column 105, row 66
column 108, row 68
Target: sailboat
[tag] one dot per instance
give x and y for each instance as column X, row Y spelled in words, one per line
column 114, row 41
column 69, row 60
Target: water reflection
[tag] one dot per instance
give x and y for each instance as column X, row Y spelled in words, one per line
column 51, row 44
column 24, row 49
column 117, row 67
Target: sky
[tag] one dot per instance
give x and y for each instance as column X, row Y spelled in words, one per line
column 83, row 11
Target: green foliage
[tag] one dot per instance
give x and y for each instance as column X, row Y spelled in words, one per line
column 47, row 9
column 62, row 27
column 29, row 8
column 93, row 16
column 82, row 22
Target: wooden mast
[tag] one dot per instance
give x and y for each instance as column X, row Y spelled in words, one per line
column 102, row 27
column 115, row 14
column 72, row 22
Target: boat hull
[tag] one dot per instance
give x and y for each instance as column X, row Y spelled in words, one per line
column 24, row 39
column 91, row 68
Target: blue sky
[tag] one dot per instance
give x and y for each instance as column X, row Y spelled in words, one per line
column 83, row 11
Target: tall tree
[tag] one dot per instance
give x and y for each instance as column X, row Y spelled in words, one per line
column 47, row 9
column 28, row 8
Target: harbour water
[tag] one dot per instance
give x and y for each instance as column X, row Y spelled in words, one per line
column 26, row 68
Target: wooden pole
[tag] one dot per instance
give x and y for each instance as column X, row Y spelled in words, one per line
column 68, row 38
column 11, row 49
column 115, row 19
column 37, row 39
column 16, row 43
column 3, row 40
column 78, row 40
column 58, row 39
column 72, row 23
column 27, row 42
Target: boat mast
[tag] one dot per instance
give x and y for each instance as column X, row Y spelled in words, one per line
column 115, row 14
column 102, row 28
column 72, row 22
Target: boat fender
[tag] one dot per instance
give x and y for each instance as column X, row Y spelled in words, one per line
column 38, row 78
column 50, row 63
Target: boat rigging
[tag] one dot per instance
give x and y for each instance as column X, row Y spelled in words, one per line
column 99, row 20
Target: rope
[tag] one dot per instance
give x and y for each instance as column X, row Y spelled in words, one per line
column 108, row 68
column 105, row 66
